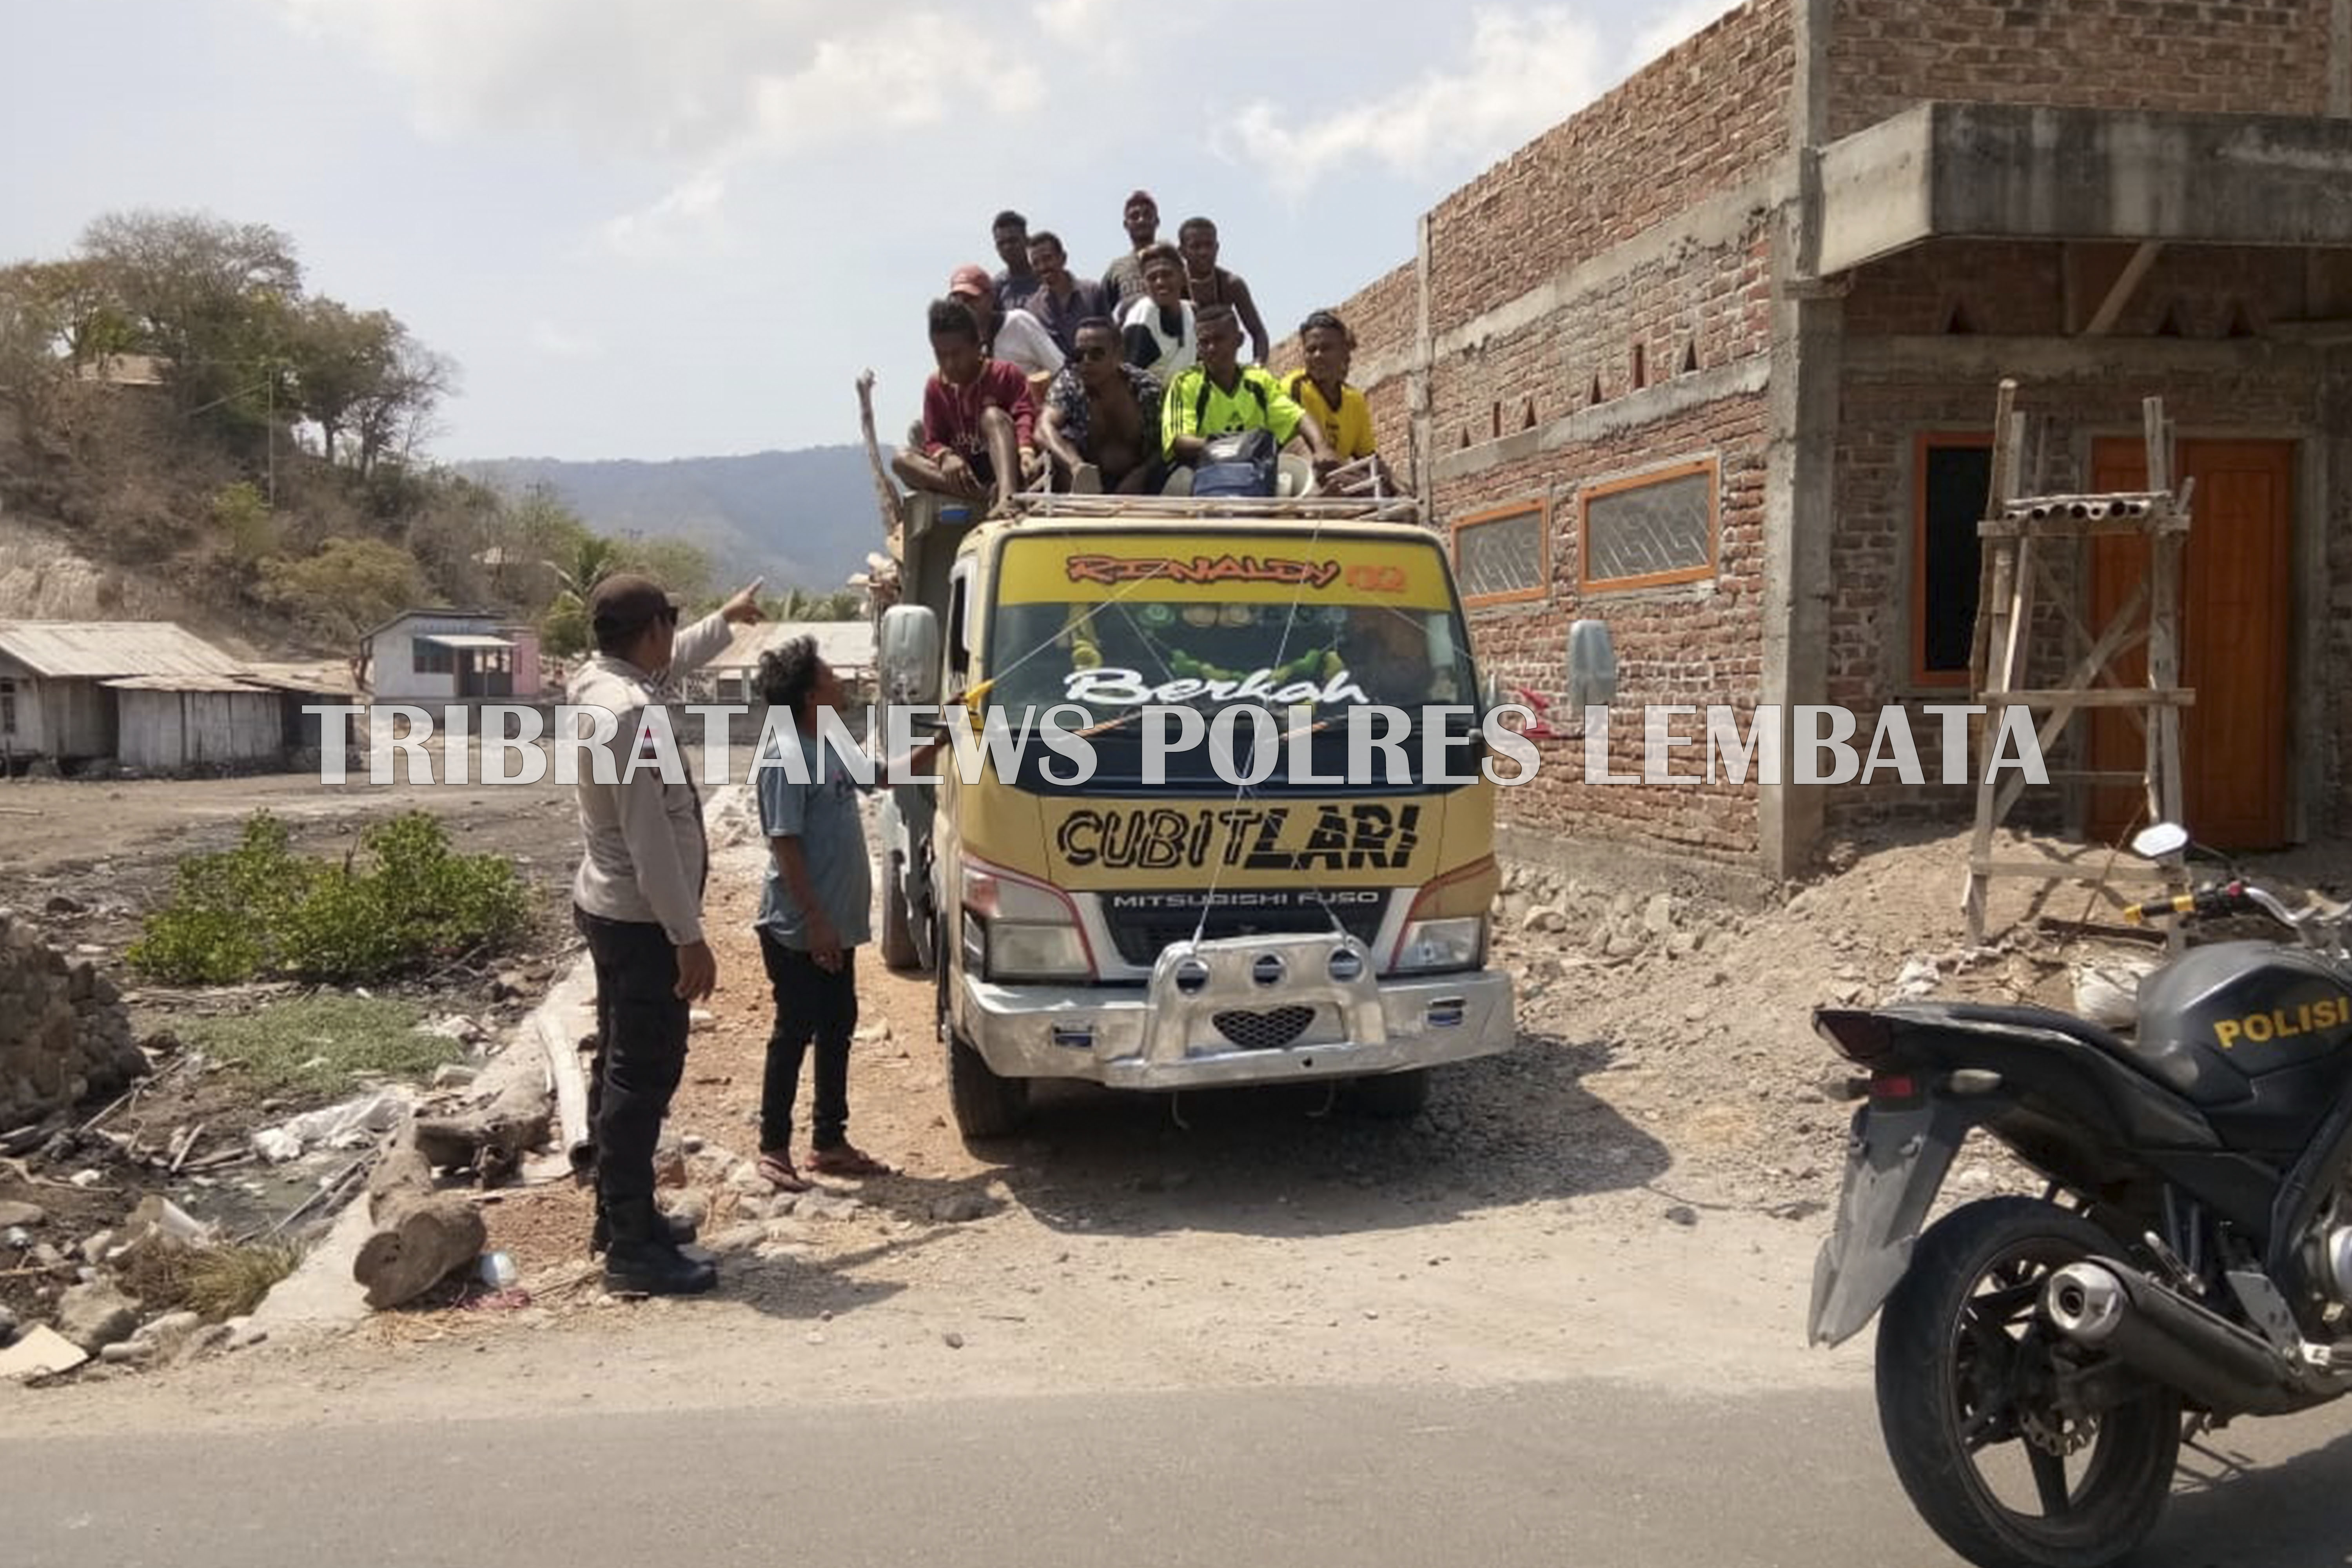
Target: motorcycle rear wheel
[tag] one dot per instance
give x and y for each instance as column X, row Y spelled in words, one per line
column 1966, row 1368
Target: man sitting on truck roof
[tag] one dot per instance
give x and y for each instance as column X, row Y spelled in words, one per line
column 978, row 418
column 1159, row 327
column 1322, row 389
column 1101, row 424
column 1014, row 336
column 1220, row 396
column 1207, row 284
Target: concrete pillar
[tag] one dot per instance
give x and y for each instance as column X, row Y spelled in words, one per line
column 1808, row 333
column 2339, row 59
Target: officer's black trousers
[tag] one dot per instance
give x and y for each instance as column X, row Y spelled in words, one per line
column 641, row 1029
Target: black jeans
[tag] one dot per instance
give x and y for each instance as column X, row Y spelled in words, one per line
column 810, row 1005
column 641, row 1029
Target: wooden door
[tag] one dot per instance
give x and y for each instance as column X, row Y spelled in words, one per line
column 2237, row 609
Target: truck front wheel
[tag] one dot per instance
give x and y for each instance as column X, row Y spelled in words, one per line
column 898, row 920
column 985, row 1105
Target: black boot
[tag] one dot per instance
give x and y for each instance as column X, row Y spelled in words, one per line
column 644, row 1260
column 600, row 1236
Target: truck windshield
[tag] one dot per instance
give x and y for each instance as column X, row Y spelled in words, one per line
column 1119, row 624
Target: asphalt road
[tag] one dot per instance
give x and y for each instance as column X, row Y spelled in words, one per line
column 1569, row 1474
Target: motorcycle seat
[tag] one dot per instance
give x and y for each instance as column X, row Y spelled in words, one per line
column 2178, row 1069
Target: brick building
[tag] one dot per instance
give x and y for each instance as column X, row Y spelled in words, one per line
column 1714, row 362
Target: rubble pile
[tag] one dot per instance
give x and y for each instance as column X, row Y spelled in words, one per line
column 65, row 1034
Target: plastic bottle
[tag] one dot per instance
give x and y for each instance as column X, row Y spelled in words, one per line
column 498, row 1272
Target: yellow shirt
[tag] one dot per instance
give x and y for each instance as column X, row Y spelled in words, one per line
column 1349, row 430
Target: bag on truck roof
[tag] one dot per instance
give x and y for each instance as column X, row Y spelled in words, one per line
column 1243, row 463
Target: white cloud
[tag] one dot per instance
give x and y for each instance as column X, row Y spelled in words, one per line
column 1070, row 21
column 560, row 343
column 1524, row 72
column 692, row 83
column 691, row 218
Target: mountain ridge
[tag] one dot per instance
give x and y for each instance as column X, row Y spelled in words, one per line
column 803, row 516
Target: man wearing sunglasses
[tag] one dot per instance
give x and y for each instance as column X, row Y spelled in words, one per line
column 1102, row 425
column 637, row 900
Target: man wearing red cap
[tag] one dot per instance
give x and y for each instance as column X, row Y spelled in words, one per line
column 1123, row 279
column 1014, row 336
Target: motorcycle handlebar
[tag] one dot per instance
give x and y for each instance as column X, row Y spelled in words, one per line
column 2205, row 901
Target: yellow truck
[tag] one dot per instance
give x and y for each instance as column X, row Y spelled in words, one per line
column 1279, row 900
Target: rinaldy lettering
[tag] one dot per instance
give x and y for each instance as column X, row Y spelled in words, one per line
column 1248, row 838
column 1203, row 569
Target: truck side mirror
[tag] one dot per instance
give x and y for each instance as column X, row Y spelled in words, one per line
column 906, row 655
column 1591, row 667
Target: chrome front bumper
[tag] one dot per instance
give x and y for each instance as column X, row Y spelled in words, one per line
column 1227, row 1012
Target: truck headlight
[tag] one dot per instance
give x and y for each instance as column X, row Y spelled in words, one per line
column 1430, row 946
column 1446, row 927
column 1027, row 930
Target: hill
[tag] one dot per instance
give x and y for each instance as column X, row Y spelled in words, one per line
column 805, row 518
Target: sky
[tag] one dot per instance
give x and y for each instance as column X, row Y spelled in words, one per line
column 676, row 228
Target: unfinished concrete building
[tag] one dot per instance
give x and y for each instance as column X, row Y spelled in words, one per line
column 1714, row 362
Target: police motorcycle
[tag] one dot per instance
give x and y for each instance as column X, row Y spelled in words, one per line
column 2041, row 1361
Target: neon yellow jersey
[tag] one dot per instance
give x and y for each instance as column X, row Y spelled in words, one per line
column 1194, row 406
column 1350, row 429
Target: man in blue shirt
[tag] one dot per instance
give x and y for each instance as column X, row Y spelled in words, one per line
column 815, row 911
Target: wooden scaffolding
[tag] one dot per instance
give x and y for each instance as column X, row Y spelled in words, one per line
column 2016, row 574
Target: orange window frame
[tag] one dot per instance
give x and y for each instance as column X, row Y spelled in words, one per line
column 1538, row 508
column 1915, row 639
column 1587, row 494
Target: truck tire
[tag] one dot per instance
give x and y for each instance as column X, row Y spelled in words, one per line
column 985, row 1105
column 1392, row 1096
column 897, row 924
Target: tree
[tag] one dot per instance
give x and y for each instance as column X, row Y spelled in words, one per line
column 212, row 298
column 348, row 586
column 340, row 358
column 394, row 415
column 679, row 565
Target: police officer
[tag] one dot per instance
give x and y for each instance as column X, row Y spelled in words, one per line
column 637, row 900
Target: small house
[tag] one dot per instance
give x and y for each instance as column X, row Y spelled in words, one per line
column 197, row 723
column 56, row 701
column 847, row 646
column 450, row 656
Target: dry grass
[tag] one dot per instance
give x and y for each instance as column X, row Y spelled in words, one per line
column 216, row 1282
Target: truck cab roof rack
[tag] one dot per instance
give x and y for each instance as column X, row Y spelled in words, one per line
column 1348, row 509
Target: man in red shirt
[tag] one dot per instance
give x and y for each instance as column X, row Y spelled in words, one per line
column 978, row 433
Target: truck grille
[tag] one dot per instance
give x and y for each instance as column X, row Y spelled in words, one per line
column 1268, row 1031
column 1141, row 934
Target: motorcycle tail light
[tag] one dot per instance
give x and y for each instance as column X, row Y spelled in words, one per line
column 1893, row 1085
column 1859, row 1036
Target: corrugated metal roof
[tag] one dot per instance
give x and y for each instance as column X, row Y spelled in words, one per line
column 94, row 650
column 844, row 645
column 464, row 639
column 326, row 677
column 211, row 685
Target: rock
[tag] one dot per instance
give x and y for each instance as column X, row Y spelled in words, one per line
column 952, row 1340
column 1682, row 945
column 243, row 1336
column 744, row 1177
column 84, row 1179
column 16, row 1213
column 1695, row 1013
column 1623, row 946
column 691, row 1207
column 451, row 1075
column 1683, row 1215
column 208, row 1339
column 961, row 1208
column 827, row 1206
column 62, row 904
column 97, row 1315
column 1659, row 916
column 509, row 986
column 93, row 1249
column 738, row 1238
column 691, row 1144
column 7, row 1328
column 701, row 1020
column 129, row 1353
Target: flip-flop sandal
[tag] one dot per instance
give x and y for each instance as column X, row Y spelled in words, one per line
column 846, row 1161
column 779, row 1173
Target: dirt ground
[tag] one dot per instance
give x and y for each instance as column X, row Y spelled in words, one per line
column 1637, row 1187
column 86, row 860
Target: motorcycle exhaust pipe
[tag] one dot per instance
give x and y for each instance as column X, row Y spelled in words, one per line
column 2158, row 1332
